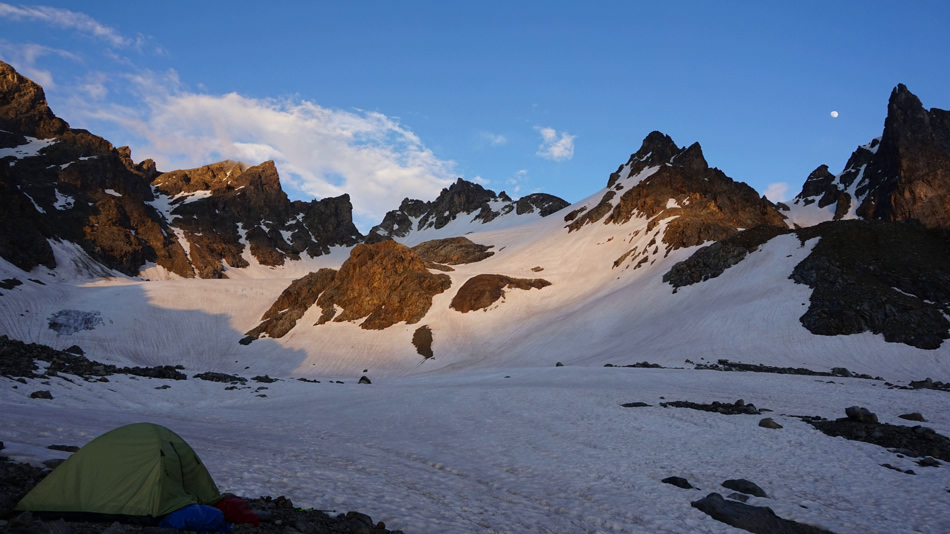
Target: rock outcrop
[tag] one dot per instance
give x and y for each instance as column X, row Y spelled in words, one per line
column 483, row 290
column 452, row 251
column 461, row 200
column 383, row 284
column 291, row 305
column 902, row 175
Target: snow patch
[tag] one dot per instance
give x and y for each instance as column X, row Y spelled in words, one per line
column 28, row 150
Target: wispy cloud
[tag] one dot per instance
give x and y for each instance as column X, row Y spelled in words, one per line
column 70, row 20
column 494, row 139
column 24, row 57
column 776, row 192
column 320, row 151
column 516, row 181
column 553, row 147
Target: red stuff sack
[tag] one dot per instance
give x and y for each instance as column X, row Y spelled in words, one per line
column 236, row 510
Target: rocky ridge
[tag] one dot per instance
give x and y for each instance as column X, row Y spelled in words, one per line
column 461, row 200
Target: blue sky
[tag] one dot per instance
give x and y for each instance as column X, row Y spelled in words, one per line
column 385, row 100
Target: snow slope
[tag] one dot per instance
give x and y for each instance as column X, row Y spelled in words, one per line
column 593, row 313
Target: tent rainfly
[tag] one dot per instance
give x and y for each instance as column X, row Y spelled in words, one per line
column 140, row 469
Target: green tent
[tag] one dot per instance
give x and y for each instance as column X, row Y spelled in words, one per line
column 137, row 470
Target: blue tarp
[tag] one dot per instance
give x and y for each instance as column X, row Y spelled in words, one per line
column 196, row 517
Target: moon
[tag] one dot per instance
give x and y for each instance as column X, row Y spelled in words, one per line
column 834, row 114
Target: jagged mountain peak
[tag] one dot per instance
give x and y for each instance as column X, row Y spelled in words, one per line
column 679, row 199
column 902, row 175
column 461, row 200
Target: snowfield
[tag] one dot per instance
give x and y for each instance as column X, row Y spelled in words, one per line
column 490, row 436
column 546, row 450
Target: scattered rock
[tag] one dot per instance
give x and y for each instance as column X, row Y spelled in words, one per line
column 264, row 379
column 364, row 380
column 64, row 448
column 768, row 422
column 741, row 497
column 679, row 482
column 915, row 416
column 744, row 486
column 917, row 441
column 736, row 408
column 53, row 463
column 726, row 365
column 75, row 349
column 44, row 394
column 638, row 365
column 635, row 405
column 929, row 383
column 860, row 415
column 165, row 386
column 928, row 462
column 889, row 466
column 222, row 377
column 559, row 364
column 755, row 519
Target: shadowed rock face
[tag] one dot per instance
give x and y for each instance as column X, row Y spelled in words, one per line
column 452, row 251
column 913, row 164
column 887, row 278
column 79, row 188
column 385, row 283
column 292, row 304
column 483, row 290
column 462, row 199
column 707, row 204
column 903, row 175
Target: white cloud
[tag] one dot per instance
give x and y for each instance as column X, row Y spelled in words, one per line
column 70, row 20
column 776, row 192
column 320, row 151
column 554, row 148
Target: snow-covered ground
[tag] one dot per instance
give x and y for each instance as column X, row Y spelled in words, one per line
column 546, row 450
